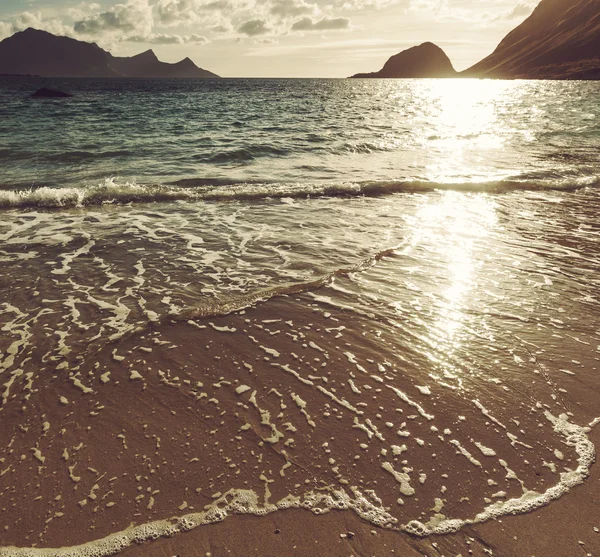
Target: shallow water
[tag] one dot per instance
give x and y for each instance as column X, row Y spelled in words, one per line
column 286, row 132
column 360, row 337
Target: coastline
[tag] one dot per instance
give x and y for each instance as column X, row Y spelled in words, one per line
column 163, row 462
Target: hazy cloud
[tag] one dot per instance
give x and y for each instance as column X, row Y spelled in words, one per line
column 5, row 30
column 37, row 21
column 162, row 38
column 325, row 24
column 521, row 10
column 83, row 10
column 187, row 12
column 428, row 6
column 292, row 8
column 173, row 12
column 222, row 28
column 254, row 27
column 133, row 17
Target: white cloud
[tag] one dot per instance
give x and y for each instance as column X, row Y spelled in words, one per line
column 190, row 12
column 292, row 8
column 37, row 21
column 5, row 30
column 173, row 12
column 428, row 6
column 520, row 11
column 325, row 24
column 161, row 38
column 82, row 10
column 133, row 17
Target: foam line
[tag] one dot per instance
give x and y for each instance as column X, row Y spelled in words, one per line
column 575, row 436
column 113, row 192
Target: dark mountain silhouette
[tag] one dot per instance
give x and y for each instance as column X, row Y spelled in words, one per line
column 41, row 53
column 425, row 60
column 560, row 40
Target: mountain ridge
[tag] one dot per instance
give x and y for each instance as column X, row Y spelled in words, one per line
column 559, row 40
column 37, row 52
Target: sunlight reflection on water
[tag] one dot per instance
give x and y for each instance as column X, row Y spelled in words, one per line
column 326, row 131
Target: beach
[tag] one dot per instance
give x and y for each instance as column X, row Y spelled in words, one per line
column 402, row 365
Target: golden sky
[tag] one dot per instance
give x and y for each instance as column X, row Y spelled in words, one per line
column 276, row 38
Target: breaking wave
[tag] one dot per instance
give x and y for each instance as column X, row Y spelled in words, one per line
column 114, row 192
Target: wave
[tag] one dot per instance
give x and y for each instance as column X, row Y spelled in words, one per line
column 113, row 192
column 234, row 304
column 243, row 155
column 66, row 157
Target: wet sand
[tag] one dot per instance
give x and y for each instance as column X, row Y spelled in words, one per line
column 164, row 422
column 194, row 381
column 565, row 528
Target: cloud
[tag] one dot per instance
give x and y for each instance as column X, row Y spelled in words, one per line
column 222, row 28
column 82, row 10
column 173, row 12
column 161, row 38
column 37, row 21
column 5, row 30
column 188, row 12
column 521, row 10
column 292, row 8
column 254, row 27
column 134, row 17
column 429, row 6
column 325, row 24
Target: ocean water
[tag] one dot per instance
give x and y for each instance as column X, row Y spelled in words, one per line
column 241, row 296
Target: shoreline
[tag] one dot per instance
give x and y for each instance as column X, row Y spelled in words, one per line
column 224, row 336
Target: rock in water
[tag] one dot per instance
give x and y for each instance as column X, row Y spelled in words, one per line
column 47, row 93
column 425, row 60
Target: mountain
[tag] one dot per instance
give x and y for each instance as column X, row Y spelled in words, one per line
column 560, row 40
column 41, row 53
column 425, row 60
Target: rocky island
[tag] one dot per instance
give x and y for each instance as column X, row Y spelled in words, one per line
column 425, row 60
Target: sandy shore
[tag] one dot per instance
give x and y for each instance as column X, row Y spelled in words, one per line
column 287, row 398
column 567, row 528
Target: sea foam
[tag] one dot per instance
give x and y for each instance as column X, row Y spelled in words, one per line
column 238, row 501
column 114, row 192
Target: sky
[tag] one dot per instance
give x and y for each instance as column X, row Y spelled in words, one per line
column 276, row 38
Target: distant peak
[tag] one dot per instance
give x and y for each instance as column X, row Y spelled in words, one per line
column 147, row 55
column 33, row 31
column 428, row 46
column 424, row 60
column 186, row 62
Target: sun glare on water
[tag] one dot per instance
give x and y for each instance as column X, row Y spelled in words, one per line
column 450, row 231
column 463, row 128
